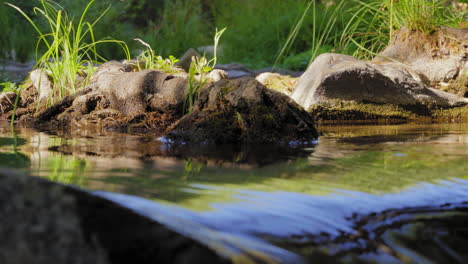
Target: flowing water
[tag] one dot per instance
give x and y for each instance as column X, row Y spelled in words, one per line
column 383, row 193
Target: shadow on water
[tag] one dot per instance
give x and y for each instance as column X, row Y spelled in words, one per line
column 387, row 194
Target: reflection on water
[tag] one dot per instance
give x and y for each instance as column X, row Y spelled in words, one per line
column 361, row 193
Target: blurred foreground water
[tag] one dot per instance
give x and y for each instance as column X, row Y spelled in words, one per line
column 385, row 193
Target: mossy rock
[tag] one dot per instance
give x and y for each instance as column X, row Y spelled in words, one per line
column 243, row 110
column 277, row 82
column 348, row 111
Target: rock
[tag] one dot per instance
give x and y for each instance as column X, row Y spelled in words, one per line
column 216, row 75
column 87, row 103
column 137, row 92
column 235, row 70
column 186, row 59
column 45, row 222
column 334, row 77
column 7, row 102
column 243, row 110
column 213, row 76
column 281, row 83
column 42, row 84
column 440, row 56
column 111, row 67
column 209, row 50
column 280, row 71
column 61, row 106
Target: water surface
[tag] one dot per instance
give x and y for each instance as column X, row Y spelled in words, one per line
column 392, row 194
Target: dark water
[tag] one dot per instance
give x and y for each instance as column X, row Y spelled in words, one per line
column 12, row 71
column 388, row 194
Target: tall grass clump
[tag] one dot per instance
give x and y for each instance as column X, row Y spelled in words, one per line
column 149, row 60
column 198, row 71
column 321, row 24
column 374, row 22
column 70, row 47
column 361, row 28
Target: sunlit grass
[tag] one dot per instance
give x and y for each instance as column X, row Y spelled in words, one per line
column 374, row 22
column 200, row 68
column 364, row 28
column 149, row 60
column 71, row 54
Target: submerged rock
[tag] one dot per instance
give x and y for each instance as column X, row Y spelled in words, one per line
column 333, row 78
column 243, row 110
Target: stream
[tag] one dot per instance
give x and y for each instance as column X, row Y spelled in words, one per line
column 361, row 194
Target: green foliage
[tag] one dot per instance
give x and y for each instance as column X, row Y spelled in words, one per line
column 420, row 15
column 362, row 28
column 322, row 24
column 9, row 87
column 258, row 29
column 181, row 26
column 15, row 36
column 68, row 56
column 262, row 32
column 198, row 73
column 373, row 22
column 148, row 60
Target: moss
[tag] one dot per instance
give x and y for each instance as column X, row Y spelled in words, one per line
column 458, row 86
column 227, row 89
column 385, row 112
column 268, row 117
column 263, row 117
column 284, row 84
column 452, row 114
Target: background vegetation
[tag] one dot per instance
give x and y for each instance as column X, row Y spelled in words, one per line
column 256, row 32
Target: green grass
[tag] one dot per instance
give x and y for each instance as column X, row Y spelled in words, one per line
column 374, row 22
column 257, row 29
column 322, row 27
column 200, row 68
column 8, row 87
column 259, row 33
column 149, row 60
column 70, row 47
column 180, row 25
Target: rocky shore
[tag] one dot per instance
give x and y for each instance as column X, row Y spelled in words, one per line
column 416, row 78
